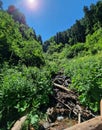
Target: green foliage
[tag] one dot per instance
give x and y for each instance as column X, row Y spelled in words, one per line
column 54, row 48
column 94, row 42
column 29, row 53
column 82, row 62
column 86, row 76
column 26, row 72
column 72, row 51
column 7, row 34
column 92, row 46
column 22, row 91
column 77, row 33
column 85, row 70
column 18, row 46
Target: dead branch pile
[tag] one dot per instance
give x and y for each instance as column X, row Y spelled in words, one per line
column 67, row 102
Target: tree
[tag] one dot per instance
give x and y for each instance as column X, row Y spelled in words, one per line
column 1, row 5
column 99, row 12
column 16, row 14
column 39, row 39
column 46, row 46
column 16, row 46
column 7, row 31
column 89, row 19
column 77, row 33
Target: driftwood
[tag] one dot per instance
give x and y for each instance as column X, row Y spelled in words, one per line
column 92, row 124
column 19, row 123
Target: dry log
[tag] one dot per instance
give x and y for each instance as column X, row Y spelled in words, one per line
column 52, row 125
column 47, row 125
column 92, row 124
column 70, row 108
column 19, row 123
column 64, row 104
column 62, row 87
column 62, row 80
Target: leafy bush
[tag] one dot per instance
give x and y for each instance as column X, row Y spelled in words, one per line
column 22, row 92
column 54, row 47
column 75, row 50
column 86, row 75
column 94, row 42
column 17, row 46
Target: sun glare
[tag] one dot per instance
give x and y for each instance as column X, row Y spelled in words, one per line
column 32, row 4
column 32, row 1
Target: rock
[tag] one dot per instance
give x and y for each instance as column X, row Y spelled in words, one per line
column 59, row 118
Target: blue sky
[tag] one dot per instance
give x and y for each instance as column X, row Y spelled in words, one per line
column 52, row 16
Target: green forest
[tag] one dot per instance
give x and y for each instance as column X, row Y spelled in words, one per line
column 27, row 65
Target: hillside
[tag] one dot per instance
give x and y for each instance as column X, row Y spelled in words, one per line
column 91, row 21
column 27, row 66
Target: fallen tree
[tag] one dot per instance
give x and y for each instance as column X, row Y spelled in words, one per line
column 92, row 124
column 19, row 123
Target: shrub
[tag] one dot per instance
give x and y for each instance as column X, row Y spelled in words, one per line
column 86, row 75
column 22, row 91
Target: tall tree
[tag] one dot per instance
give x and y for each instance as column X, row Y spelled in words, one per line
column 99, row 12
column 1, row 5
column 16, row 14
column 39, row 38
column 88, row 19
column 77, row 32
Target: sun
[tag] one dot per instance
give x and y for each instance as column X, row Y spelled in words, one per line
column 32, row 1
column 36, row 7
column 33, row 4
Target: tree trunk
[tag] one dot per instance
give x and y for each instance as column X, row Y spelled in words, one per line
column 18, row 124
column 92, row 124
